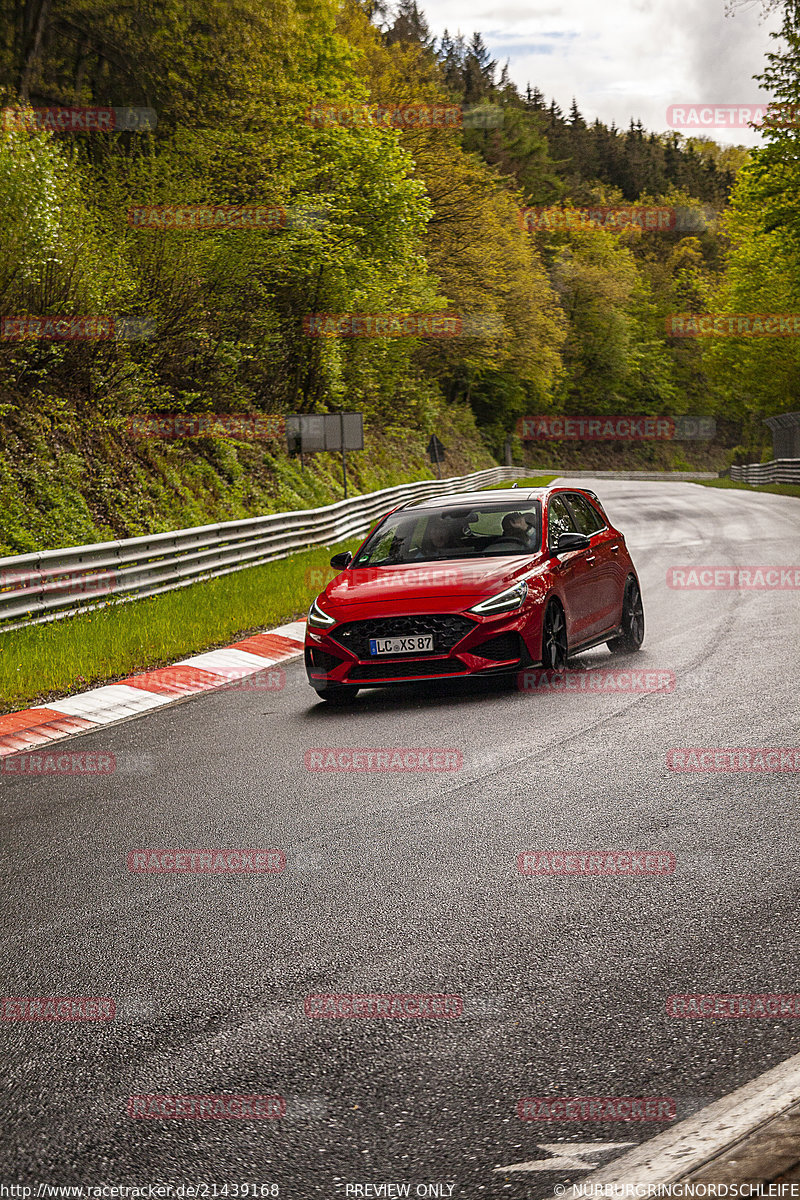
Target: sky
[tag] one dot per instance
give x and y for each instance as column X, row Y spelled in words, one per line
column 628, row 58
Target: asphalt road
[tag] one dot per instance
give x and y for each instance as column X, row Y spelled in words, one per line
column 408, row 883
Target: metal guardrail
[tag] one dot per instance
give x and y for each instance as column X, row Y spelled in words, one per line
column 780, row 470
column 644, row 476
column 50, row 584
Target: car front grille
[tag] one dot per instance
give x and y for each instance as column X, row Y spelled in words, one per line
column 447, row 631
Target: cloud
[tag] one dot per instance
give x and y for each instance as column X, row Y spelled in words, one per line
column 625, row 59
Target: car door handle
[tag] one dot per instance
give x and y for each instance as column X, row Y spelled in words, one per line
column 615, row 549
column 591, row 560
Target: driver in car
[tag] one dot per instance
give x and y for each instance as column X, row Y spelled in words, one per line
column 438, row 536
column 516, row 528
column 436, row 541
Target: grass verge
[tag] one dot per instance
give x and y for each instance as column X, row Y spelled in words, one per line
column 776, row 489
column 42, row 662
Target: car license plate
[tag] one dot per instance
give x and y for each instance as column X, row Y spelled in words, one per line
column 418, row 644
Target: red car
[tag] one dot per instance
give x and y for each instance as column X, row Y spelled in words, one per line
column 474, row 584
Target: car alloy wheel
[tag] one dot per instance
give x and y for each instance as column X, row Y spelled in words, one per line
column 632, row 631
column 554, row 638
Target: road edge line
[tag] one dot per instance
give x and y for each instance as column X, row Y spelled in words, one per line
column 670, row 1156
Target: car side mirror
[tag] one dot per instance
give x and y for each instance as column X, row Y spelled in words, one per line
column 568, row 542
column 342, row 561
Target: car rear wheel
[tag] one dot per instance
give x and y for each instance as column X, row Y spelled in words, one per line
column 554, row 638
column 632, row 635
column 337, row 695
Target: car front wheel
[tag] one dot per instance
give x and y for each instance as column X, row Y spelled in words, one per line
column 631, row 636
column 554, row 638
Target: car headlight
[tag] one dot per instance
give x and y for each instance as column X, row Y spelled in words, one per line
column 317, row 618
column 504, row 601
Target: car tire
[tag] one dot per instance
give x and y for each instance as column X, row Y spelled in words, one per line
column 337, row 695
column 630, row 639
column 555, row 650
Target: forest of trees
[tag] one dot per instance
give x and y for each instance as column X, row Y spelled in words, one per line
column 384, row 219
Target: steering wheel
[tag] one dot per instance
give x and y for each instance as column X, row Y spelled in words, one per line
column 508, row 541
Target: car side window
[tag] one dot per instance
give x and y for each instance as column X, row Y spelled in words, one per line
column 559, row 520
column 586, row 516
column 388, row 545
column 384, row 548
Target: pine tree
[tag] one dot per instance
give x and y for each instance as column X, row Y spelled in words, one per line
column 575, row 118
column 409, row 25
column 450, row 55
column 534, row 99
column 479, row 69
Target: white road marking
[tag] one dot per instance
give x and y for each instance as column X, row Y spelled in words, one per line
column 295, row 629
column 228, row 662
column 672, row 1155
column 567, row 1156
column 113, row 702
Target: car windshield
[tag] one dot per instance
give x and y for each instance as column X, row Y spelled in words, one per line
column 480, row 531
